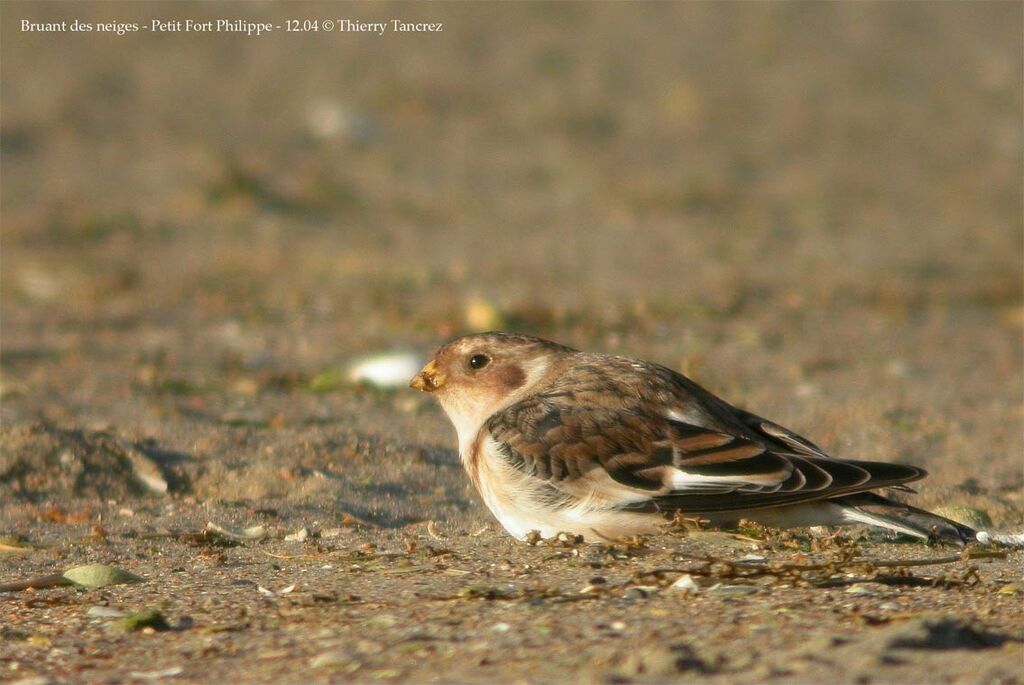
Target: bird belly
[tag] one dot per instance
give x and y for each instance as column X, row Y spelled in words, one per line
column 523, row 503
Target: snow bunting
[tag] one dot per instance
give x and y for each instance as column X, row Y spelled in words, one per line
column 558, row 440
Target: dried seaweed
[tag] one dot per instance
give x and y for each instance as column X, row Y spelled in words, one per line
column 845, row 568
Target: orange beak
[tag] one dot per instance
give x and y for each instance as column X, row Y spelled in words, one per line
column 429, row 379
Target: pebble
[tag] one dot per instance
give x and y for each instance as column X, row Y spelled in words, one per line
column 685, row 584
column 731, row 590
column 298, row 536
column 99, row 575
column 382, row 621
column 105, row 612
column 865, row 589
column 337, row 659
column 157, row 675
column 753, row 559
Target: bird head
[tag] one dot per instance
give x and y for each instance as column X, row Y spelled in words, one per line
column 477, row 375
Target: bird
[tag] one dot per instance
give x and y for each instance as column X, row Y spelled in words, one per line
column 556, row 440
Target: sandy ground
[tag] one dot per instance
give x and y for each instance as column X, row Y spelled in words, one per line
column 814, row 210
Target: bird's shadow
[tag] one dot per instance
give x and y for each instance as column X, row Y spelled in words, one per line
column 404, row 491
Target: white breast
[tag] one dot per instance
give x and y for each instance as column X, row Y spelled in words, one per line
column 523, row 503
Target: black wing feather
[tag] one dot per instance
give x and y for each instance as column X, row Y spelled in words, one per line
column 735, row 460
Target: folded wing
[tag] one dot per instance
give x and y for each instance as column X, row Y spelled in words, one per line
column 649, row 455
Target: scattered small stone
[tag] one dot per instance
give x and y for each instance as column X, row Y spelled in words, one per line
column 105, row 612
column 338, row 660
column 753, row 559
column 382, row 621
column 501, row 627
column 568, row 539
column 157, row 675
column 685, row 584
column 99, row 575
column 617, row 625
column 146, row 471
column 731, row 590
column 251, row 533
column 298, row 536
column 865, row 589
column 640, row 592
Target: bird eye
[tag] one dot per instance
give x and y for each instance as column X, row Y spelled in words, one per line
column 479, row 361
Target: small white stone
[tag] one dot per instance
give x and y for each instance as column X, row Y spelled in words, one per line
column 861, row 589
column 105, row 612
column 685, row 584
column 393, row 370
column 157, row 675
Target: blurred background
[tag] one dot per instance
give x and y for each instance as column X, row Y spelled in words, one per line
column 815, row 209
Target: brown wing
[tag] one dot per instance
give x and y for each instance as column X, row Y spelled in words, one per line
column 648, row 451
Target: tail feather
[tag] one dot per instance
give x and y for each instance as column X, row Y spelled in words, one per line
column 873, row 509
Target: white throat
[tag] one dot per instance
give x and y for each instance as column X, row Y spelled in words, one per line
column 468, row 414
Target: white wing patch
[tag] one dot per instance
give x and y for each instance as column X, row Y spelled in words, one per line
column 691, row 418
column 683, row 482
